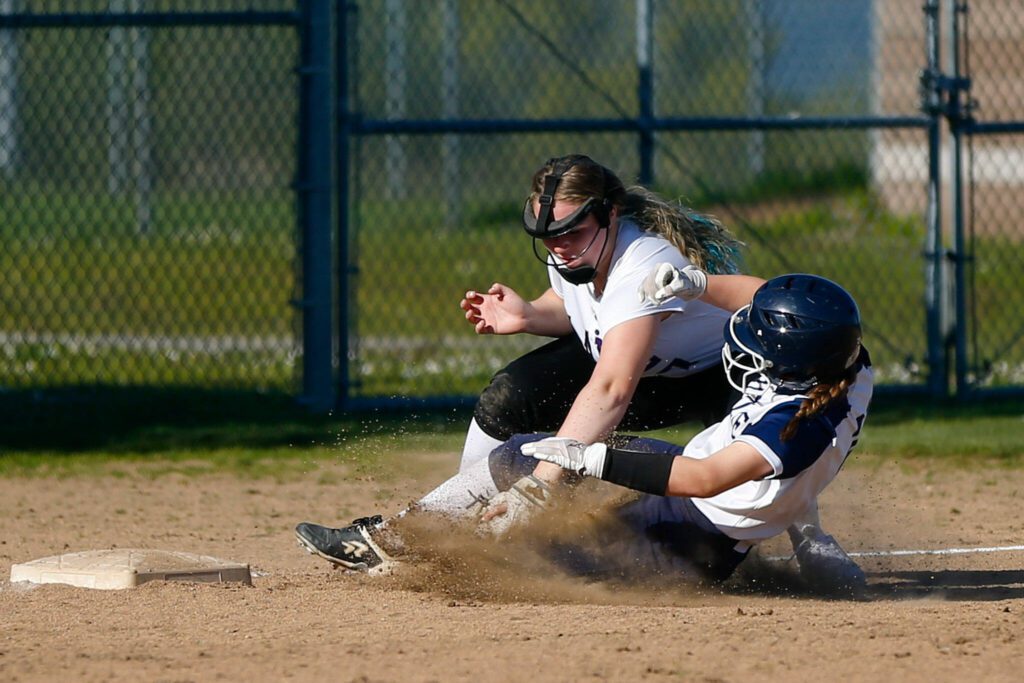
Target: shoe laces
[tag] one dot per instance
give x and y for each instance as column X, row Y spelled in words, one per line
column 480, row 502
column 368, row 522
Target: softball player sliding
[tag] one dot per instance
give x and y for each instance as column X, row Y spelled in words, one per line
column 619, row 361
column 794, row 355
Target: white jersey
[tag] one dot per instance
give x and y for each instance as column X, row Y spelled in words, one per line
column 689, row 340
column 801, row 467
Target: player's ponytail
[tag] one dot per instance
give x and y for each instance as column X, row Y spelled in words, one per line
column 702, row 239
column 818, row 398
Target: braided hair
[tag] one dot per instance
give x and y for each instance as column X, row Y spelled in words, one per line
column 819, row 397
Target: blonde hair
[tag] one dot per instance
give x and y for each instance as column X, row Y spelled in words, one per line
column 701, row 238
column 818, row 398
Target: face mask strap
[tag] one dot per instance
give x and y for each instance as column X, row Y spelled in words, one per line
column 543, row 224
column 547, row 203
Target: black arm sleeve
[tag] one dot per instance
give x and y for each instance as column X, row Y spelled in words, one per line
column 647, row 472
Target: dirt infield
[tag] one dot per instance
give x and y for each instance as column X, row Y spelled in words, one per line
column 927, row 618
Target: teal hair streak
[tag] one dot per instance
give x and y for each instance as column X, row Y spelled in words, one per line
column 723, row 252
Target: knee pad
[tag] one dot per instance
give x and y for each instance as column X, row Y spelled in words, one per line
column 508, row 464
column 534, row 392
column 499, row 411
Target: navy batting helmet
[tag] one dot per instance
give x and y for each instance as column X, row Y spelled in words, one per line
column 797, row 331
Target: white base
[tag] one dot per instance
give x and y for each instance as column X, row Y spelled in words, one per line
column 127, row 568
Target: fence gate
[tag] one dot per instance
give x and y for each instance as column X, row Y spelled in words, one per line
column 985, row 108
column 150, row 161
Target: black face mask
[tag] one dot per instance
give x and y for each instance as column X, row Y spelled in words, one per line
column 543, row 226
column 577, row 276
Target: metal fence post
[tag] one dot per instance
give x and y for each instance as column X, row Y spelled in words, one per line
column 938, row 382
column 343, row 125
column 451, row 148
column 314, row 204
column 645, row 86
column 959, row 113
column 8, row 101
column 754, row 12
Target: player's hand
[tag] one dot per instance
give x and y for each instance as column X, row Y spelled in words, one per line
column 666, row 281
column 569, row 454
column 514, row 507
column 499, row 310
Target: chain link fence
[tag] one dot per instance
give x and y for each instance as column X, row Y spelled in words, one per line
column 770, row 117
column 147, row 157
column 991, row 345
column 147, row 177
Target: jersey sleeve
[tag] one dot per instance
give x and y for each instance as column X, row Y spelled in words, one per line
column 621, row 300
column 788, row 458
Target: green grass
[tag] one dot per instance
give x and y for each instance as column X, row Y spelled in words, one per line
column 960, row 434
column 87, row 431
column 217, row 268
column 964, row 433
column 51, row 365
column 842, row 176
column 203, row 269
column 157, row 432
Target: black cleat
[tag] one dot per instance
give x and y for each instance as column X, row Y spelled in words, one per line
column 352, row 546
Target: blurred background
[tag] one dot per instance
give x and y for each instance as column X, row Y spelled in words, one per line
column 287, row 199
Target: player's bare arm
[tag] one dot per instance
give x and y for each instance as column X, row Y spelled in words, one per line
column 548, row 317
column 500, row 310
column 600, row 405
column 735, row 464
column 730, row 292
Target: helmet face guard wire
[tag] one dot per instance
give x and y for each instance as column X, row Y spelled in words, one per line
column 752, row 370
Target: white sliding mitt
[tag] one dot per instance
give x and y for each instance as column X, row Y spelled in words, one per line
column 569, row 454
